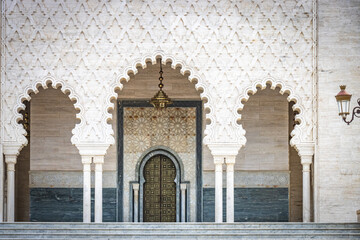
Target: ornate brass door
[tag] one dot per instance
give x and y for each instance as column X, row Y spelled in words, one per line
column 159, row 190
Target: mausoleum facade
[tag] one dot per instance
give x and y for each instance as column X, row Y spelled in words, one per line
column 253, row 133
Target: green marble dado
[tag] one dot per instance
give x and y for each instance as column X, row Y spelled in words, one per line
column 66, row 204
column 251, row 205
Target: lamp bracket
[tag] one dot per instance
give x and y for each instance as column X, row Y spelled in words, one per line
column 355, row 113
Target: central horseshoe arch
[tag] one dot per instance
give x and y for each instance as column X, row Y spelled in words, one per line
column 177, row 179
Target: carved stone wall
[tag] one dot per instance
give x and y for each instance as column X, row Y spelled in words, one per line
column 87, row 47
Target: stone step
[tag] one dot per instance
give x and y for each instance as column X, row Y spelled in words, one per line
column 179, row 231
column 182, row 225
column 181, row 236
column 164, row 228
column 167, row 230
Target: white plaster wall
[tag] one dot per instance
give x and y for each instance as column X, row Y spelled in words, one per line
column 337, row 161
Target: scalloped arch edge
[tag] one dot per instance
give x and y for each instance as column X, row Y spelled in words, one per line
column 284, row 88
column 34, row 88
column 200, row 85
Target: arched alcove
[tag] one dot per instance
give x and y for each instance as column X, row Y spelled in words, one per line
column 140, row 127
column 49, row 166
column 269, row 169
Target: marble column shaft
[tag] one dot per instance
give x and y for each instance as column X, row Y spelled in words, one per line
column 306, row 162
column 230, row 162
column 183, row 202
column 306, row 151
column 98, row 161
column 218, row 161
column 136, row 187
column 10, row 161
column 86, row 161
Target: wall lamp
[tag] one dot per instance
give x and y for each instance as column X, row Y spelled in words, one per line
column 343, row 101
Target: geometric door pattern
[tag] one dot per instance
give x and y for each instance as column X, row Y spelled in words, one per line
column 159, row 190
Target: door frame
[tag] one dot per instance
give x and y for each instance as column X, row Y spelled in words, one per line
column 120, row 152
column 177, row 180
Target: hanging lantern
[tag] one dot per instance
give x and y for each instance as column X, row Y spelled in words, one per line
column 343, row 100
column 160, row 100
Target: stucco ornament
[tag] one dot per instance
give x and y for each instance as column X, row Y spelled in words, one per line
column 89, row 46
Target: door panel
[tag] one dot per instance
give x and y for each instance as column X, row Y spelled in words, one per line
column 159, row 190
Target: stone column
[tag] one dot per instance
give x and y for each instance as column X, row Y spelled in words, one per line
column 306, row 162
column 183, row 202
column 10, row 161
column 136, row 187
column 1, row 185
column 96, row 152
column 306, row 152
column 218, row 161
column 222, row 151
column 230, row 162
column 86, row 161
column 98, row 161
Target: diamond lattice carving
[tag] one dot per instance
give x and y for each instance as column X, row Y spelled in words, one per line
column 89, row 46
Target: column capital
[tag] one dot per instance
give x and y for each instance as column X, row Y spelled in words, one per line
column 305, row 148
column 86, row 159
column 136, row 186
column 12, row 148
column 10, row 159
column 230, row 159
column 306, row 166
column 183, row 186
column 306, row 160
column 92, row 149
column 219, row 160
column 224, row 149
column 99, row 159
